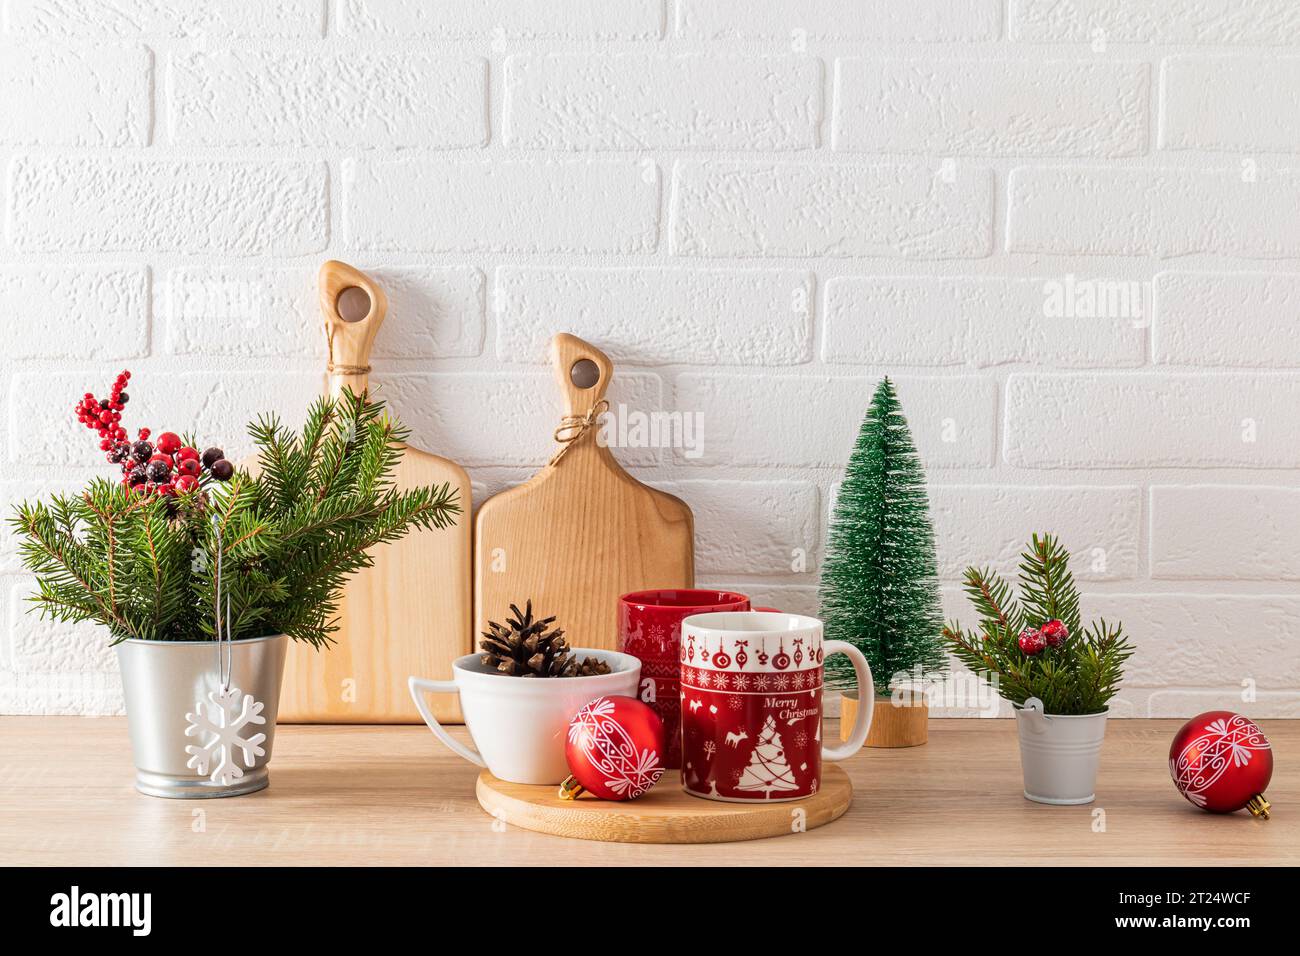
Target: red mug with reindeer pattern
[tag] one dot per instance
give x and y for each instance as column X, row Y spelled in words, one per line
column 650, row 629
column 751, row 705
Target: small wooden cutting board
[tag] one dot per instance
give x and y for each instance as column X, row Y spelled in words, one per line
column 666, row 814
column 410, row 614
column 582, row 531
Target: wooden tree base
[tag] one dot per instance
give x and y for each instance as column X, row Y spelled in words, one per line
column 891, row 726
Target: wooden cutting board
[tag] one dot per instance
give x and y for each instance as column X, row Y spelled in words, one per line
column 582, row 531
column 410, row 613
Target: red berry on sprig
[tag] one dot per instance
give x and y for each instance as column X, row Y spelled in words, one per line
column 1031, row 641
column 1054, row 633
column 165, row 467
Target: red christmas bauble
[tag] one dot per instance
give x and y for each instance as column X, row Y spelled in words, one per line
column 615, row 749
column 1221, row 762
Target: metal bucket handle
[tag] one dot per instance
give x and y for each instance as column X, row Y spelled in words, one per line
column 1038, row 719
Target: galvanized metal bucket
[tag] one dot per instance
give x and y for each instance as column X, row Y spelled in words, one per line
column 163, row 680
column 1059, row 754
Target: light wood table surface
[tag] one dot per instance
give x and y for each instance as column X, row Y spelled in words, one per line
column 356, row 795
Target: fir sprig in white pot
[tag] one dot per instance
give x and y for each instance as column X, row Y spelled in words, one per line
column 1058, row 674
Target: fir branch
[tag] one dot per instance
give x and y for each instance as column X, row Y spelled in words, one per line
column 289, row 537
column 1078, row 678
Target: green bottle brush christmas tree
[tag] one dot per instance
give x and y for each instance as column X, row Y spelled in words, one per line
column 879, row 585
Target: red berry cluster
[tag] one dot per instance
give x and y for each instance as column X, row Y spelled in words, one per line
column 1034, row 641
column 166, row 467
column 105, row 414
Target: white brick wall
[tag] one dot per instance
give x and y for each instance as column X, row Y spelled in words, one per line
column 990, row 107
column 1070, row 229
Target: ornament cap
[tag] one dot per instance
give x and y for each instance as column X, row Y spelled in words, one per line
column 570, row 789
column 1258, row 806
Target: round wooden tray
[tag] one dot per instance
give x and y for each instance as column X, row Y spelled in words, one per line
column 666, row 814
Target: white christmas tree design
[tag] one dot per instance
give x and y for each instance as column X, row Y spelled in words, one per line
column 767, row 770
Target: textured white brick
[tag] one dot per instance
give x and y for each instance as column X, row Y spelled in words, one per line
column 1132, row 421
column 75, row 95
column 516, row 19
column 1240, row 319
column 940, row 21
column 509, row 205
column 432, row 312
column 658, row 316
column 790, row 598
column 990, row 107
column 74, row 204
column 728, row 208
column 751, row 527
column 909, row 320
column 214, row 406
column 1163, row 212
column 13, row 493
column 305, row 98
column 1230, row 102
column 635, row 101
column 1225, row 532
column 51, row 646
column 814, row 421
column 165, row 18
column 1189, row 703
column 48, row 311
column 1194, row 639
column 92, row 694
column 991, row 525
column 481, row 419
column 1155, row 21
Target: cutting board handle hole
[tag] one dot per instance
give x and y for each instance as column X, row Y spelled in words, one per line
column 353, row 304
column 584, row 374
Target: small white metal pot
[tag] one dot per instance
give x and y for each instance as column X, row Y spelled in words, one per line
column 1059, row 754
column 163, row 680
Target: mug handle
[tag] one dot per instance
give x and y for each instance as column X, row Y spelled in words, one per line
column 418, row 685
column 866, row 701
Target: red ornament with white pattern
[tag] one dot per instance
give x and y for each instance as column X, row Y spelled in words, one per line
column 1221, row 762
column 615, row 749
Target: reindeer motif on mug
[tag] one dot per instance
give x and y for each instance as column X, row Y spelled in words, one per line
column 734, row 738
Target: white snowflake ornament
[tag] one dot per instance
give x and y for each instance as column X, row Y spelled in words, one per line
column 225, row 716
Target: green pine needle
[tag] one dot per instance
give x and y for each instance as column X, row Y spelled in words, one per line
column 290, row 536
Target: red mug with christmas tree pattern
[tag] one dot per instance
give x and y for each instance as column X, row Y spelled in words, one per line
column 751, row 705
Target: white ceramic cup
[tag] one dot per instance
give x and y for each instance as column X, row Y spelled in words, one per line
column 518, row 724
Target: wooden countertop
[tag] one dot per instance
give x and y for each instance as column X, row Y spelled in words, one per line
column 392, row 795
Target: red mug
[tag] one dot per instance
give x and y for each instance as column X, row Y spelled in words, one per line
column 650, row 628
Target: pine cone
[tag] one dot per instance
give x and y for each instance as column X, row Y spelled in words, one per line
column 522, row 647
